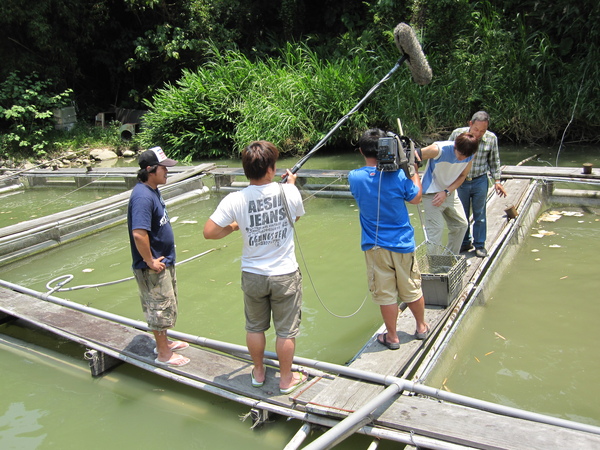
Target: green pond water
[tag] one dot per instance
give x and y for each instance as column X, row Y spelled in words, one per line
column 545, row 361
column 533, row 344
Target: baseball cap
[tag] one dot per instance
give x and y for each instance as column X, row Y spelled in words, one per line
column 155, row 157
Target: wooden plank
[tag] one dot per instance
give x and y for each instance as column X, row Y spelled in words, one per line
column 102, row 171
column 239, row 172
column 479, row 429
column 550, row 172
column 111, row 202
column 217, row 369
column 342, row 395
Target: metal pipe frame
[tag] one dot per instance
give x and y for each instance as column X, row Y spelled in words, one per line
column 386, row 380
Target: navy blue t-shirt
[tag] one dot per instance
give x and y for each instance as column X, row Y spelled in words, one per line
column 147, row 211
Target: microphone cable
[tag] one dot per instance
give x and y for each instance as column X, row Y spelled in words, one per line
column 312, row 283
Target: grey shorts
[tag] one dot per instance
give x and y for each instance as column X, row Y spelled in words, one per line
column 279, row 295
column 393, row 276
column 158, row 293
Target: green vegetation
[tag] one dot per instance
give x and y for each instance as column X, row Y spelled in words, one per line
column 213, row 80
column 26, row 105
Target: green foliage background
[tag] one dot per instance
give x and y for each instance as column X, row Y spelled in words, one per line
column 216, row 74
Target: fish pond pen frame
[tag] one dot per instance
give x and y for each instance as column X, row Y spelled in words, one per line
column 540, row 195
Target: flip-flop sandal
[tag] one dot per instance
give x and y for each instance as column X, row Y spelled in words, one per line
column 255, row 383
column 384, row 341
column 179, row 345
column 303, row 379
column 178, row 361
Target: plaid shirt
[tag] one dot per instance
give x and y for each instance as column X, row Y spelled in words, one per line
column 487, row 156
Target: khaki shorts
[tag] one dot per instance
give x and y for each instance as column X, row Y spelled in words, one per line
column 392, row 276
column 158, row 293
column 279, row 295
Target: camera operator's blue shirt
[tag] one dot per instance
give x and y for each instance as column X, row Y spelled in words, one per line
column 381, row 198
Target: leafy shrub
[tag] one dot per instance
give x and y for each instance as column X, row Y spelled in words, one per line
column 26, row 105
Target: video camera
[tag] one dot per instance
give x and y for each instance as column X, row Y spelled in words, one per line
column 397, row 152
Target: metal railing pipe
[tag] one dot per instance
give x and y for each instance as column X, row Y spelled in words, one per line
column 354, row 421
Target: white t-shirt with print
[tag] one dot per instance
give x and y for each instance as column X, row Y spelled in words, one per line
column 263, row 221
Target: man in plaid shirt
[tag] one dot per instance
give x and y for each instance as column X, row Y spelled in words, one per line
column 473, row 191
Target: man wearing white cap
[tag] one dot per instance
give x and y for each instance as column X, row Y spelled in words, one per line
column 153, row 252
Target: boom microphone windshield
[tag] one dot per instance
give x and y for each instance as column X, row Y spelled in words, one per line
column 407, row 43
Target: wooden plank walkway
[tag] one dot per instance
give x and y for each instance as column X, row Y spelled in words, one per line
column 304, row 173
column 22, row 239
column 566, row 173
column 217, row 369
column 418, row 415
column 94, row 177
column 343, row 395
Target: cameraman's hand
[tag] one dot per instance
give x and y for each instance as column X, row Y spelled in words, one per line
column 418, row 159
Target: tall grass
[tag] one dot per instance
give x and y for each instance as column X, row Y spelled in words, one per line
column 290, row 100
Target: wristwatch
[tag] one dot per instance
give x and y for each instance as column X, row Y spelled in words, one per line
column 447, row 192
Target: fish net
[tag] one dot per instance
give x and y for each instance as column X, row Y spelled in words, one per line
column 435, row 258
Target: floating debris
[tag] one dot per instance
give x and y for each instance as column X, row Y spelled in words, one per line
column 87, row 270
column 537, row 259
column 499, row 335
column 535, row 250
column 174, row 219
column 476, row 359
column 554, row 246
column 542, row 233
column 566, row 276
column 552, row 216
column 571, row 213
column 489, row 353
column 547, row 233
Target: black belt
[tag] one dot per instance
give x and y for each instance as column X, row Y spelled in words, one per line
column 474, row 178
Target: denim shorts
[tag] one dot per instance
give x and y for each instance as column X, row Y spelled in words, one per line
column 158, row 294
column 279, row 295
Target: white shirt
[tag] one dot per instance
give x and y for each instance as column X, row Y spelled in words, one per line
column 267, row 232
